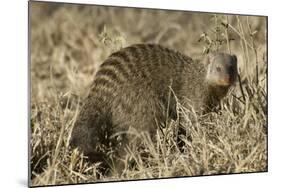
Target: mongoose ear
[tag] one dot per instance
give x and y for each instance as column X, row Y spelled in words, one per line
column 234, row 58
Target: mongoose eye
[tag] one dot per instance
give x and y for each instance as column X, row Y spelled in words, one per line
column 218, row 69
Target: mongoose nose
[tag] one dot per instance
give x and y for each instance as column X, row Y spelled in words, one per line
column 226, row 81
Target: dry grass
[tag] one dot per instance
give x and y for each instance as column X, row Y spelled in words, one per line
column 69, row 42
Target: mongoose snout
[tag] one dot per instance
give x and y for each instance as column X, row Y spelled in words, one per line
column 222, row 69
column 131, row 89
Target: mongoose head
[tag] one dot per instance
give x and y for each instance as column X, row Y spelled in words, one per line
column 221, row 69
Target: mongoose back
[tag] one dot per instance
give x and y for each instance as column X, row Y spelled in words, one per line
column 131, row 87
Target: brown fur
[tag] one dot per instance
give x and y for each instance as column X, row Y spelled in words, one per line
column 130, row 91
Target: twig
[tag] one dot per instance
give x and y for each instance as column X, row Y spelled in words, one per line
column 238, row 98
column 241, row 88
column 255, row 51
column 226, row 35
column 216, row 31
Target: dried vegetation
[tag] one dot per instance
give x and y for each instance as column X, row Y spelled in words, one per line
column 69, row 42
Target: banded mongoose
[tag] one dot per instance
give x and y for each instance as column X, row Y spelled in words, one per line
column 131, row 87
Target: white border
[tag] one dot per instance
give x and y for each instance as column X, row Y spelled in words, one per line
column 13, row 94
